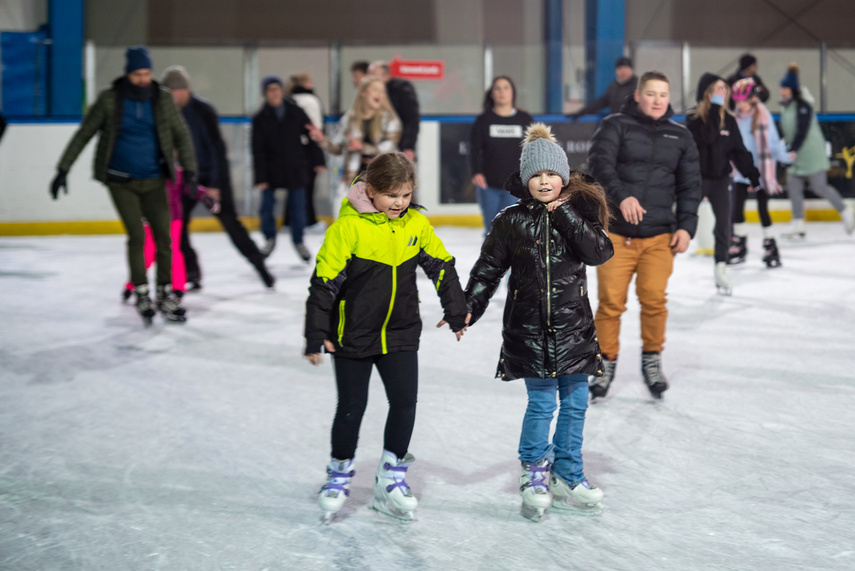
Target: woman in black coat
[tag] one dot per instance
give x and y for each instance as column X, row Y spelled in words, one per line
column 719, row 143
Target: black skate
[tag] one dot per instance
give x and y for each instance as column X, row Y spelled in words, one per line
column 738, row 250
column 651, row 370
column 144, row 305
column 263, row 272
column 599, row 386
column 169, row 305
column 126, row 294
column 770, row 253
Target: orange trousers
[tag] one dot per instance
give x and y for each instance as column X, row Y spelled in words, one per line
column 651, row 260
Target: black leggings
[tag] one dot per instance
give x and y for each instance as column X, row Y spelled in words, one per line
column 716, row 190
column 740, row 194
column 400, row 375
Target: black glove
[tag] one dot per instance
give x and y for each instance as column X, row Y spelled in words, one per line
column 57, row 183
column 212, row 205
column 190, row 185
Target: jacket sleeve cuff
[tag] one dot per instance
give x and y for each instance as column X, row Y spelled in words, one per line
column 314, row 346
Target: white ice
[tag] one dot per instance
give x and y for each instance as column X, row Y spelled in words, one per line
column 202, row 446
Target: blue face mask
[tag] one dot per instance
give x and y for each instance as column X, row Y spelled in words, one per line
column 717, row 99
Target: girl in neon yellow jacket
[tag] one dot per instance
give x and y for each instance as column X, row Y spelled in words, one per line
column 363, row 307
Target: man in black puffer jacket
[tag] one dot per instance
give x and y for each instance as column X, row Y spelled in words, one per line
column 647, row 164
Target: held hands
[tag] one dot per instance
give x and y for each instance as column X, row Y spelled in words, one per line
column 57, row 183
column 315, row 134
column 460, row 333
column 632, row 211
column 680, row 241
column 318, row 358
column 353, row 144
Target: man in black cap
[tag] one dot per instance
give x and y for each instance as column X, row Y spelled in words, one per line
column 616, row 93
column 140, row 132
column 204, row 125
column 748, row 68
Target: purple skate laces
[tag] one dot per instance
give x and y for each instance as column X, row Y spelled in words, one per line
column 333, row 482
column 538, row 478
column 398, row 483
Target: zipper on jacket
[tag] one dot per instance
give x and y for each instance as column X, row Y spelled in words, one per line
column 548, row 277
column 340, row 322
column 650, row 163
column 394, row 291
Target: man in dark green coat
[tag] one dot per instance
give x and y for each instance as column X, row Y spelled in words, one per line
column 141, row 133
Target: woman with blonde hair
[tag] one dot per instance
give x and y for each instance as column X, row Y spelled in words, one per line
column 719, row 143
column 370, row 127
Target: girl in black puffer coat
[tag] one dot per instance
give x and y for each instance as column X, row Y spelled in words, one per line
column 546, row 240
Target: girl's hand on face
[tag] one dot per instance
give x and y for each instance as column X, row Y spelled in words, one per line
column 550, row 207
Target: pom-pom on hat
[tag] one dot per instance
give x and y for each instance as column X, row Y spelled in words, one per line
column 791, row 78
column 541, row 152
column 137, row 57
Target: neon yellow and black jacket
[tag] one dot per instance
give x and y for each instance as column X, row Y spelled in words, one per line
column 363, row 295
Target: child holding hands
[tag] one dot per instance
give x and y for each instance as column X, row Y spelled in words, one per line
column 546, row 240
column 363, row 307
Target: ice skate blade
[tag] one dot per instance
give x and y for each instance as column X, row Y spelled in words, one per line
column 327, row 518
column 532, row 513
column 566, row 505
column 725, row 291
column 381, row 507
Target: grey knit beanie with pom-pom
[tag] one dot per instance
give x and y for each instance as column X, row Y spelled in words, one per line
column 541, row 152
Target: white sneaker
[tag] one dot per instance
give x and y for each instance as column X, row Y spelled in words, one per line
column 848, row 216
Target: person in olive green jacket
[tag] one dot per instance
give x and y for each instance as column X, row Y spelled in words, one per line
column 141, row 132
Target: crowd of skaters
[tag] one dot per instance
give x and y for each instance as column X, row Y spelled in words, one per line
column 160, row 152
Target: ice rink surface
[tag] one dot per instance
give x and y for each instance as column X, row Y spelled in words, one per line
column 202, row 446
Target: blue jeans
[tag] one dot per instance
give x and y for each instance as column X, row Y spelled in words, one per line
column 565, row 451
column 296, row 206
column 492, row 201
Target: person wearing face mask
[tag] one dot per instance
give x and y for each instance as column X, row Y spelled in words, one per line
column 719, row 144
column 495, row 147
column 140, row 130
column 649, row 168
column 761, row 138
column 806, row 145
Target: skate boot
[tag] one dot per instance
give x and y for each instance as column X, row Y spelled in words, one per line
column 796, row 230
column 582, row 496
column 651, row 370
column 534, row 487
column 144, row 305
column 303, row 252
column 268, row 247
column 738, row 250
column 848, row 215
column 770, row 253
column 599, row 386
column 335, row 491
column 169, row 305
column 260, row 267
column 127, row 292
column 722, row 282
column 392, row 494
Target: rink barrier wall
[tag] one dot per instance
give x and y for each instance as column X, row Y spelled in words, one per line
column 444, row 188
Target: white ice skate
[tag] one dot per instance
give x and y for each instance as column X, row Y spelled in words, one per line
column 335, row 491
column 796, row 231
column 392, row 494
column 722, row 281
column 848, row 216
column 581, row 497
column 534, row 487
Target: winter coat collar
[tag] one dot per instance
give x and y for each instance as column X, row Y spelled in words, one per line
column 631, row 108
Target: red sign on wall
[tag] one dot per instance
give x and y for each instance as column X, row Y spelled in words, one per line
column 417, row 69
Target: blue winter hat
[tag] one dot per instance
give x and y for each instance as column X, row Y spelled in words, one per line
column 270, row 80
column 137, row 57
column 791, row 78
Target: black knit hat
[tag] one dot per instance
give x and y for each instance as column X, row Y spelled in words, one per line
column 747, row 60
column 704, row 82
column 623, row 61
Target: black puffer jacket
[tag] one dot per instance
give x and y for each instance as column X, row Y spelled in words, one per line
column 718, row 146
column 548, row 324
column 279, row 157
column 656, row 161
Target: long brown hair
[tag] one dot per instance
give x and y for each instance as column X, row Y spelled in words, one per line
column 388, row 171
column 702, row 111
column 585, row 189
